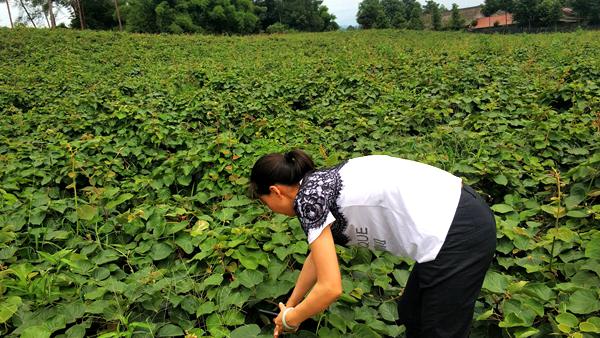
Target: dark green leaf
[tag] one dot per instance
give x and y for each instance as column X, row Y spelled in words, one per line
column 170, row 330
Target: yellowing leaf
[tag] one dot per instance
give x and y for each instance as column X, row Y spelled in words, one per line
column 199, row 228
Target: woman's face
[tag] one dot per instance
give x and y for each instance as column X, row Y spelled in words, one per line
column 280, row 200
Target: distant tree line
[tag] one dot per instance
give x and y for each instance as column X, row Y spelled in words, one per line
column 407, row 14
column 540, row 13
column 188, row 16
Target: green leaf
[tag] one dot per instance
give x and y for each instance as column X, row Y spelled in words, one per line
column 337, row 321
column 516, row 314
column 364, row 331
column 106, row 256
column 59, row 205
column 37, row 216
column 215, row 279
column 86, row 212
column 592, row 248
column 184, row 180
column 237, row 201
column 205, row 308
column 246, row 331
column 401, row 276
column 175, row 227
column 122, row 198
column 227, row 297
column 563, row 233
column 157, row 224
column 526, row 332
column 160, row 251
column 273, row 289
column 501, row 179
column 567, row 319
column 538, row 290
column 250, row 278
column 502, row 208
column 225, row 214
column 495, row 282
column 554, row 210
column 591, row 265
column 389, row 311
column 8, row 307
column 170, row 330
column 579, row 213
column 577, row 194
column 484, row 316
column 577, row 151
column 78, row 330
column 185, row 243
column 37, row 331
column 250, row 259
column 6, row 253
column 583, row 302
column 233, row 317
column 592, row 324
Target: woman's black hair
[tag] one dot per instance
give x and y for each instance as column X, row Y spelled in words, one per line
column 276, row 168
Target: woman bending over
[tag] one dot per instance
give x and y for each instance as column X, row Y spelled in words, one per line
column 381, row 202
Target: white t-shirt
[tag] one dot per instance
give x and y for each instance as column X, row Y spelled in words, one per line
column 381, row 202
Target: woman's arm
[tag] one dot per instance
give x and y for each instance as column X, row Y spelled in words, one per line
column 328, row 286
column 306, row 280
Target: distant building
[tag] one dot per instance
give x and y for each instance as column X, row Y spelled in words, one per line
column 496, row 20
column 475, row 19
column 569, row 16
column 502, row 18
column 468, row 13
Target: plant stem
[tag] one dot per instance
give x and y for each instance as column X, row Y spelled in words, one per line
column 73, row 175
column 556, row 175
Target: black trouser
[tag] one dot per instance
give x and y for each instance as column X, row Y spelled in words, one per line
column 440, row 295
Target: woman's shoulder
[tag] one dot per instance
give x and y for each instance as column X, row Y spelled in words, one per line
column 323, row 176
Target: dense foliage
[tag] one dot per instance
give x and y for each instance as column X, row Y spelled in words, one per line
column 124, row 161
column 543, row 13
column 98, row 14
column 187, row 16
column 390, row 14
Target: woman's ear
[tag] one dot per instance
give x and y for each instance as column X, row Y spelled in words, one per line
column 275, row 189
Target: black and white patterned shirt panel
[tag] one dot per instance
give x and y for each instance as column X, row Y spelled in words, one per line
column 317, row 197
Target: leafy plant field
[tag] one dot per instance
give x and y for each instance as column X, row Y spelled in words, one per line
column 124, row 161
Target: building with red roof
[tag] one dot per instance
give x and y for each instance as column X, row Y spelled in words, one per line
column 498, row 19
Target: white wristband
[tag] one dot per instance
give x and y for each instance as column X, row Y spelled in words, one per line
column 285, row 325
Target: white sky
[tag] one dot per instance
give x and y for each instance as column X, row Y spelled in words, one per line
column 344, row 10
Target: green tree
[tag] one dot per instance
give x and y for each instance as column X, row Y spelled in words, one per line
column 395, row 12
column 305, row 15
column 329, row 23
column 433, row 9
column 416, row 22
column 191, row 16
column 140, row 16
column 371, row 15
column 589, row 10
column 97, row 14
column 301, row 15
column 456, row 20
column 549, row 12
column 536, row 13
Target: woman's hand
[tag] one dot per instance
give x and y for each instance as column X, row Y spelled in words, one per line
column 328, row 286
column 279, row 329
